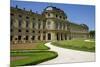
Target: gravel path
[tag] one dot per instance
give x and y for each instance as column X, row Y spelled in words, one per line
column 69, row 56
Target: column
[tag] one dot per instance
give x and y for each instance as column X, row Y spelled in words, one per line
column 41, row 38
column 46, row 36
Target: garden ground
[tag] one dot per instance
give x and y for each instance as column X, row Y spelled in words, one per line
column 30, row 54
column 69, row 56
column 79, row 44
column 67, row 52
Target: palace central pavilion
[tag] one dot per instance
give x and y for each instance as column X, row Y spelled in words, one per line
column 51, row 25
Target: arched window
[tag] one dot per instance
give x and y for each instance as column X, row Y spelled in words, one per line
column 33, row 37
column 49, row 36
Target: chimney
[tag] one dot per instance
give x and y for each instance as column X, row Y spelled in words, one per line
column 24, row 8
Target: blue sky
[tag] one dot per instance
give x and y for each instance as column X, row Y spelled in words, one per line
column 76, row 13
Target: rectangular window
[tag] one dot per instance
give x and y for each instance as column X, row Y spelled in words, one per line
column 33, row 31
column 11, row 30
column 27, row 31
column 44, row 37
column 19, row 23
column 19, row 30
column 27, row 23
column 11, row 22
column 60, row 25
column 19, row 37
column 44, row 24
column 38, row 37
column 33, row 25
column 26, row 37
column 57, row 25
column 11, row 37
column 39, row 24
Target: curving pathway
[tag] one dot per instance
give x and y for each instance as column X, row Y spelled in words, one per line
column 69, row 56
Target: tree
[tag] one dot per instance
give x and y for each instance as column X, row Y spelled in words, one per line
column 92, row 34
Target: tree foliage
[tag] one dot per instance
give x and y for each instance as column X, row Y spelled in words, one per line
column 92, row 34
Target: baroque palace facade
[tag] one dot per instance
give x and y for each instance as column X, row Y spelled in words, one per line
column 51, row 25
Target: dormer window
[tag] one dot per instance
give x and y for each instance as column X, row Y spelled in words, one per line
column 48, row 14
column 60, row 17
column 27, row 17
column 20, row 16
column 38, row 19
column 56, row 15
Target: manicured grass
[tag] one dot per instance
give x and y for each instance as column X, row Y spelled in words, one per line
column 33, row 57
column 41, row 46
column 76, row 45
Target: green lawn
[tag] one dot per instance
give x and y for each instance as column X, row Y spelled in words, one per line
column 33, row 57
column 41, row 46
column 76, row 45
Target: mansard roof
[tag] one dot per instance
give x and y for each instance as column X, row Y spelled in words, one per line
column 25, row 12
column 77, row 26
